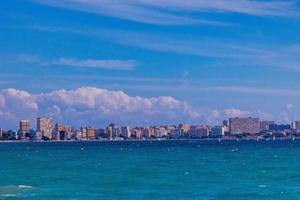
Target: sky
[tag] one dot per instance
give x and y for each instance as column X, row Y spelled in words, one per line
column 140, row 62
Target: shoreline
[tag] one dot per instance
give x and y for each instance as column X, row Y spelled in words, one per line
column 153, row 140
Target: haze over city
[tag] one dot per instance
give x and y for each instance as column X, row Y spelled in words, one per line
column 149, row 62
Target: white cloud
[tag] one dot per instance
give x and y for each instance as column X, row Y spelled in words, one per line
column 98, row 107
column 233, row 112
column 105, row 64
column 258, row 90
column 92, row 106
column 172, row 12
column 289, row 106
column 87, row 63
column 228, row 53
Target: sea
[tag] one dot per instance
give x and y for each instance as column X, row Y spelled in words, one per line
column 183, row 169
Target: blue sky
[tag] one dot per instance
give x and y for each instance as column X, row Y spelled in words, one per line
column 216, row 55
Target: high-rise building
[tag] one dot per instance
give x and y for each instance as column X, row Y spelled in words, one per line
column 125, row 132
column 112, row 131
column 25, row 126
column 100, row 133
column 239, row 125
column 45, row 126
column 90, row 133
column 61, row 132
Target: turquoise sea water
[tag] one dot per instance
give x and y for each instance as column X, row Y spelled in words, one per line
column 151, row 170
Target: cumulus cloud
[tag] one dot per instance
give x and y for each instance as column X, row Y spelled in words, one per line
column 92, row 106
column 97, row 107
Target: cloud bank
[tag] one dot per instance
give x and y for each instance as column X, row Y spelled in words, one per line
column 98, row 107
column 91, row 106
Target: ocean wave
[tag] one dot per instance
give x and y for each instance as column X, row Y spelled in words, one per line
column 16, row 187
column 25, row 186
column 8, row 195
column 7, row 191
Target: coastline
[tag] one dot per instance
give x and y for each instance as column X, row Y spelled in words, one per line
column 153, row 140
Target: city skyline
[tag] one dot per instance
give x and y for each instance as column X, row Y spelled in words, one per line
column 233, row 128
column 48, row 124
column 142, row 62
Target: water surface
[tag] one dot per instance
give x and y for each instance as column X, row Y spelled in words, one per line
column 205, row 170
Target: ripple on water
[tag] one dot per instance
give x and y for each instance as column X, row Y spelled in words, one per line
column 15, row 190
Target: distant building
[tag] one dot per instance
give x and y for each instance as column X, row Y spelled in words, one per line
column 90, row 133
column 78, row 135
column 239, row 125
column 296, row 125
column 83, row 133
column 160, row 132
column 226, row 126
column 1, row 132
column 137, row 133
column 265, row 125
column 184, row 128
column 112, row 131
column 177, row 133
column 24, row 128
column 279, row 127
column 147, row 132
column 62, row 132
column 100, row 133
column 45, row 126
column 218, row 131
column 9, row 135
column 125, row 132
column 199, row 131
column 225, row 123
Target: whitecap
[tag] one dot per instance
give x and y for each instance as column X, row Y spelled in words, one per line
column 262, row 186
column 25, row 186
column 8, row 195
